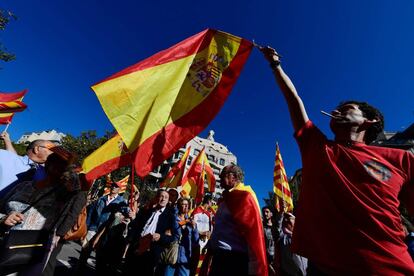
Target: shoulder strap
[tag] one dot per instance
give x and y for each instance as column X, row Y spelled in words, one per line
column 40, row 198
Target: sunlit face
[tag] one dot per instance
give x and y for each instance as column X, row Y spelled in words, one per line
column 347, row 115
column 289, row 222
column 114, row 190
column 267, row 214
column 183, row 207
column 227, row 180
column 40, row 153
column 163, row 199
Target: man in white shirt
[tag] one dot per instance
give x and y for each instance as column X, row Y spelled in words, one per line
column 14, row 168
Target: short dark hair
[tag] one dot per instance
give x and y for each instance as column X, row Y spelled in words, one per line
column 181, row 199
column 207, row 198
column 371, row 113
column 267, row 207
column 235, row 170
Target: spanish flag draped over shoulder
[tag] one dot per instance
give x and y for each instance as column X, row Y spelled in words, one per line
column 244, row 208
column 160, row 103
column 281, row 184
column 9, row 104
column 193, row 181
column 175, row 175
column 107, row 158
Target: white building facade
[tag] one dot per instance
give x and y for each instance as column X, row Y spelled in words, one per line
column 51, row 135
column 218, row 155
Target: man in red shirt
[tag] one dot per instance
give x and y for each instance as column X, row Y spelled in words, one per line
column 348, row 221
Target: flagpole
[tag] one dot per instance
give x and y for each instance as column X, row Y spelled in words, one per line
column 260, row 47
column 131, row 196
column 7, row 127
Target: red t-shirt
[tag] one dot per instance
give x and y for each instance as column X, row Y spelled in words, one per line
column 348, row 221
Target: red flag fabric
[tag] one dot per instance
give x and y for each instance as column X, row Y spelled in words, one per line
column 175, row 175
column 281, row 186
column 10, row 103
column 244, row 208
column 193, row 181
column 160, row 103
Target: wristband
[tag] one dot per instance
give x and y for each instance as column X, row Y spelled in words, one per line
column 274, row 64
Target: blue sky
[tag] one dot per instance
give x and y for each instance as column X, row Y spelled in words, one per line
column 332, row 50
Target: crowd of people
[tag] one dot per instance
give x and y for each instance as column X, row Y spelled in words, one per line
column 348, row 220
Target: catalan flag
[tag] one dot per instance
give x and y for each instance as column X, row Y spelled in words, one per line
column 175, row 175
column 160, row 103
column 193, row 181
column 281, row 184
column 122, row 184
column 9, row 104
column 107, row 158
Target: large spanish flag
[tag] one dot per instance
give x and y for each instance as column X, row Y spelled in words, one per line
column 107, row 158
column 9, row 104
column 160, row 103
column 244, row 208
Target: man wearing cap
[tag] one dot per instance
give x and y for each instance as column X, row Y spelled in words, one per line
column 99, row 215
column 104, row 207
column 15, row 168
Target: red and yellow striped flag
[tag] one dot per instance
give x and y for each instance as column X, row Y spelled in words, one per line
column 9, row 104
column 175, row 175
column 281, row 184
column 107, row 158
column 193, row 181
column 160, row 103
column 122, row 184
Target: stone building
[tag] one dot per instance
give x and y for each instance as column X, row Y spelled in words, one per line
column 51, row 135
column 218, row 155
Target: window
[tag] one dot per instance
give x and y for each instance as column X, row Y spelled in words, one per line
column 210, row 157
column 189, row 160
column 222, row 162
column 196, row 152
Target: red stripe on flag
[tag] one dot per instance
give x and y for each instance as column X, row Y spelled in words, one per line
column 109, row 166
column 180, row 50
column 6, row 120
column 154, row 150
column 8, row 97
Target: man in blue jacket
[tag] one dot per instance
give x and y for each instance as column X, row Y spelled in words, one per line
column 99, row 215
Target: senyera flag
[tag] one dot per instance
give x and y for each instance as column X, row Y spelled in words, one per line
column 160, row 103
column 281, row 184
column 122, row 184
column 107, row 158
column 9, row 104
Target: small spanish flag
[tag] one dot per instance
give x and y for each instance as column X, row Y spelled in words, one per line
column 107, row 158
column 160, row 103
column 175, row 175
column 193, row 181
column 9, row 104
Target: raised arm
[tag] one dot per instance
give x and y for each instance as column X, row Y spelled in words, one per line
column 296, row 108
column 7, row 142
